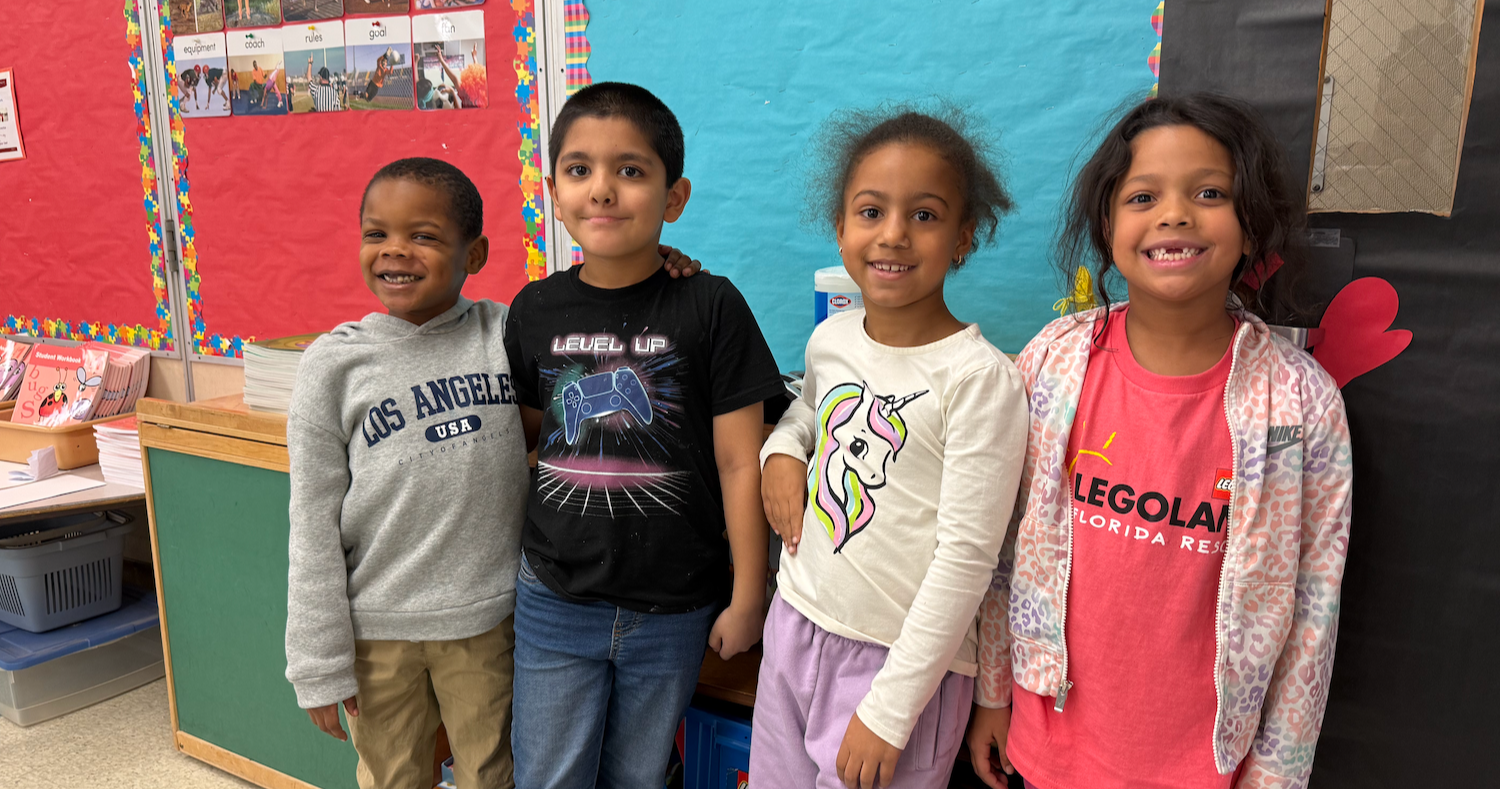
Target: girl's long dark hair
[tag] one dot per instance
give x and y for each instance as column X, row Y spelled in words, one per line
column 1271, row 211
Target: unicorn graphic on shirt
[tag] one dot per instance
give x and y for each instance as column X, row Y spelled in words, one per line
column 859, row 433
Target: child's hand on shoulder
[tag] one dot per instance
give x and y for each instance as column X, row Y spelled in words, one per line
column 865, row 758
column 678, row 264
column 783, row 491
column 736, row 630
column 990, row 727
column 327, row 718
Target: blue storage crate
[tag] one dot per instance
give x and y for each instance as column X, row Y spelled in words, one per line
column 717, row 750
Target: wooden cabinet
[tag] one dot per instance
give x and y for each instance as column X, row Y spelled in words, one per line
column 217, row 489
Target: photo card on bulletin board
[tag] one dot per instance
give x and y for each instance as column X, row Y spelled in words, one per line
column 360, row 7
column 311, row 10
column 380, row 64
column 258, row 69
column 316, row 64
column 434, row 5
column 251, row 13
column 11, row 145
column 190, row 17
column 448, row 51
column 202, row 87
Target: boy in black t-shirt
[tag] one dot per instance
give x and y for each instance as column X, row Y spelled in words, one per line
column 643, row 394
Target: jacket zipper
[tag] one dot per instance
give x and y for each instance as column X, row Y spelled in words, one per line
column 1063, row 685
column 1234, row 465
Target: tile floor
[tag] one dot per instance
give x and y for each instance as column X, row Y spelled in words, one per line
column 122, row 743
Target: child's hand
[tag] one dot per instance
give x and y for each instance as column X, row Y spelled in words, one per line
column 327, row 718
column 783, row 491
column 736, row 630
column 864, row 756
column 990, row 727
column 678, row 264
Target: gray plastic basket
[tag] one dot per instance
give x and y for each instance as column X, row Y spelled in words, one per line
column 62, row 570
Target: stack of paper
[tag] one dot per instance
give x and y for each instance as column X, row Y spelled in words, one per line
column 120, row 452
column 271, row 369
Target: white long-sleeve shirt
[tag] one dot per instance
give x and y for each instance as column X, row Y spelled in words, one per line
column 915, row 455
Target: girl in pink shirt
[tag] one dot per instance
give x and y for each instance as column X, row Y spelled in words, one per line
column 1166, row 609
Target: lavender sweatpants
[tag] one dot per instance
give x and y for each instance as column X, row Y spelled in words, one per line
column 811, row 682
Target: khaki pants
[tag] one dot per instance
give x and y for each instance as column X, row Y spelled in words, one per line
column 407, row 687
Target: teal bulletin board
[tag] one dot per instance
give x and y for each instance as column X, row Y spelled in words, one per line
column 751, row 81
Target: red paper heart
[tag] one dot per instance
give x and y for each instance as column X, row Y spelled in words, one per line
column 1262, row 270
column 1355, row 337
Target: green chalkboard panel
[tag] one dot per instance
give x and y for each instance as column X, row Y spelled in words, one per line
column 222, row 536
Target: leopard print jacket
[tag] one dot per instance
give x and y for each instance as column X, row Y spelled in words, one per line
column 1277, row 617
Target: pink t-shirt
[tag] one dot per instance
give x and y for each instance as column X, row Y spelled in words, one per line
column 1149, row 458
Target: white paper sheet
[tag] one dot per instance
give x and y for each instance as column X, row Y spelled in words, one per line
column 60, row 485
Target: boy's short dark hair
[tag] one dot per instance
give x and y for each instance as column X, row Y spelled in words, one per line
column 465, row 206
column 633, row 103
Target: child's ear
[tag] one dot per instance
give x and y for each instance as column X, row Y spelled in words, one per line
column 677, row 198
column 552, row 193
column 479, row 254
column 838, row 230
column 965, row 239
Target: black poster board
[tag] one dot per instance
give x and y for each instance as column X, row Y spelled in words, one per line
column 1415, row 682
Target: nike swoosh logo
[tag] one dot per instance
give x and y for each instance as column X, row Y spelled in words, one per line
column 1274, row 448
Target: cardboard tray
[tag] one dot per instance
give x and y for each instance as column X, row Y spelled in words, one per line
column 74, row 444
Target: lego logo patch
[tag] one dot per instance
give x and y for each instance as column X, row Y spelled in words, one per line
column 1224, row 484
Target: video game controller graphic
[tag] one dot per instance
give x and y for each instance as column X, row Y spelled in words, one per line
column 603, row 394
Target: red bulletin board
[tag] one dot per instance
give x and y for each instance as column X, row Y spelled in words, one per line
column 78, row 244
column 272, row 202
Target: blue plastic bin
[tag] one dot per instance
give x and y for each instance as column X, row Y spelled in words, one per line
column 717, row 750
column 44, row 675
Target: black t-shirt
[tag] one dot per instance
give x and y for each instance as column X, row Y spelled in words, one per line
column 626, row 505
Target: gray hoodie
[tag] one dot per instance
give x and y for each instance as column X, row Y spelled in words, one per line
column 409, row 484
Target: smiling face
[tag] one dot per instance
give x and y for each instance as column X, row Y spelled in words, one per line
column 412, row 251
column 902, row 225
column 1174, row 232
column 611, row 191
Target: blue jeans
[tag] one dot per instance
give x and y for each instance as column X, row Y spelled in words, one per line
column 599, row 689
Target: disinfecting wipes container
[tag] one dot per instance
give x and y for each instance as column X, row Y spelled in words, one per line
column 834, row 291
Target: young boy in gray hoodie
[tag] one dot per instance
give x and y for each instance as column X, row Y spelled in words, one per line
column 409, row 485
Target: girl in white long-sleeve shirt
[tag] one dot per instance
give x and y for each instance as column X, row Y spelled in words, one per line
column 891, row 480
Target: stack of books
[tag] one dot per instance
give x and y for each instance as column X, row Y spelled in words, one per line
column 271, row 369
column 63, row 386
column 12, row 367
column 120, row 452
